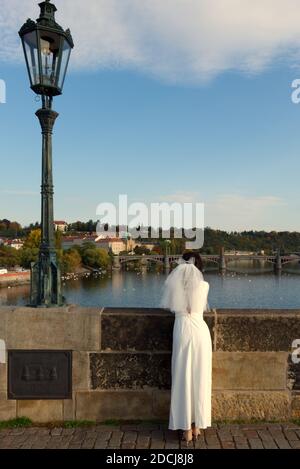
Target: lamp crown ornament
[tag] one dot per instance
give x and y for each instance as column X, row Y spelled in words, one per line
column 47, row 11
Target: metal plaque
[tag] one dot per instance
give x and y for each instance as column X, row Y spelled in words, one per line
column 39, row 374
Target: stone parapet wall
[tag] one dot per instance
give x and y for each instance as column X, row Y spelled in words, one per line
column 122, row 359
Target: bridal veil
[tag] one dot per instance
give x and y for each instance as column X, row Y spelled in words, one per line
column 183, row 289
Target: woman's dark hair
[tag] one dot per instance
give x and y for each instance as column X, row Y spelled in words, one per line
column 198, row 261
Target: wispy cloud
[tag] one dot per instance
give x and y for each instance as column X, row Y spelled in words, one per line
column 186, row 41
column 181, row 197
column 235, row 211
column 242, row 212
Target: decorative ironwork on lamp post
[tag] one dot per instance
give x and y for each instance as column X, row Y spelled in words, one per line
column 47, row 48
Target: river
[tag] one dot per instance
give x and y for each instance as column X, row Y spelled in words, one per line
column 144, row 289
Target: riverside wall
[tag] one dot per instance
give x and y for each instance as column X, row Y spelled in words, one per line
column 122, row 358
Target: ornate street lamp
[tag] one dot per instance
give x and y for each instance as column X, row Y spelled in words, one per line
column 47, row 48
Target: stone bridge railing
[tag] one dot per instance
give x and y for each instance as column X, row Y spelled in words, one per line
column 121, row 362
column 221, row 260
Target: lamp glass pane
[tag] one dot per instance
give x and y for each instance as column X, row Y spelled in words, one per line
column 49, row 49
column 66, row 51
column 31, row 52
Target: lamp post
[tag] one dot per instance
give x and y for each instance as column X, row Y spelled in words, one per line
column 167, row 253
column 47, row 48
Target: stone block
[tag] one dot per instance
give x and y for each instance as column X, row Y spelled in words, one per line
column 53, row 328
column 130, row 370
column 81, row 371
column 139, row 329
column 248, row 405
column 161, row 404
column 295, row 405
column 136, row 330
column 41, row 411
column 7, row 407
column 257, row 330
column 250, row 370
column 4, row 313
column 103, row 405
column 3, row 377
column 69, row 409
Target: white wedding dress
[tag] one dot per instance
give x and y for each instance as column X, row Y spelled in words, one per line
column 186, row 294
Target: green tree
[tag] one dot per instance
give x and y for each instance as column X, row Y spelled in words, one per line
column 29, row 255
column 58, row 239
column 95, row 257
column 33, row 239
column 71, row 260
column 10, row 229
column 9, row 257
column 140, row 250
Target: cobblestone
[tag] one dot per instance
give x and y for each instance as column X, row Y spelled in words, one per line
column 153, row 436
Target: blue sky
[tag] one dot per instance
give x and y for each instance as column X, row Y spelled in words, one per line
column 230, row 140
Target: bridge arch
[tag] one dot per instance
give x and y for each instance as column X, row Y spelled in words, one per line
column 268, row 259
column 154, row 259
column 214, row 259
column 285, row 261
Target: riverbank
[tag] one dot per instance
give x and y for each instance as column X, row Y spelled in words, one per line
column 81, row 272
column 13, row 279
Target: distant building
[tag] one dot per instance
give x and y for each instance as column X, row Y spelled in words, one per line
column 60, row 226
column 14, row 243
column 72, row 241
column 106, row 234
column 115, row 245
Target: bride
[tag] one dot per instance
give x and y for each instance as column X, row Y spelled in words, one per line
column 185, row 295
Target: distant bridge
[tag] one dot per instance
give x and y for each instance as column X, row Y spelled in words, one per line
column 222, row 260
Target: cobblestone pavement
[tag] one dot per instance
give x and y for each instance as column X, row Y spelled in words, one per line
column 152, row 436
